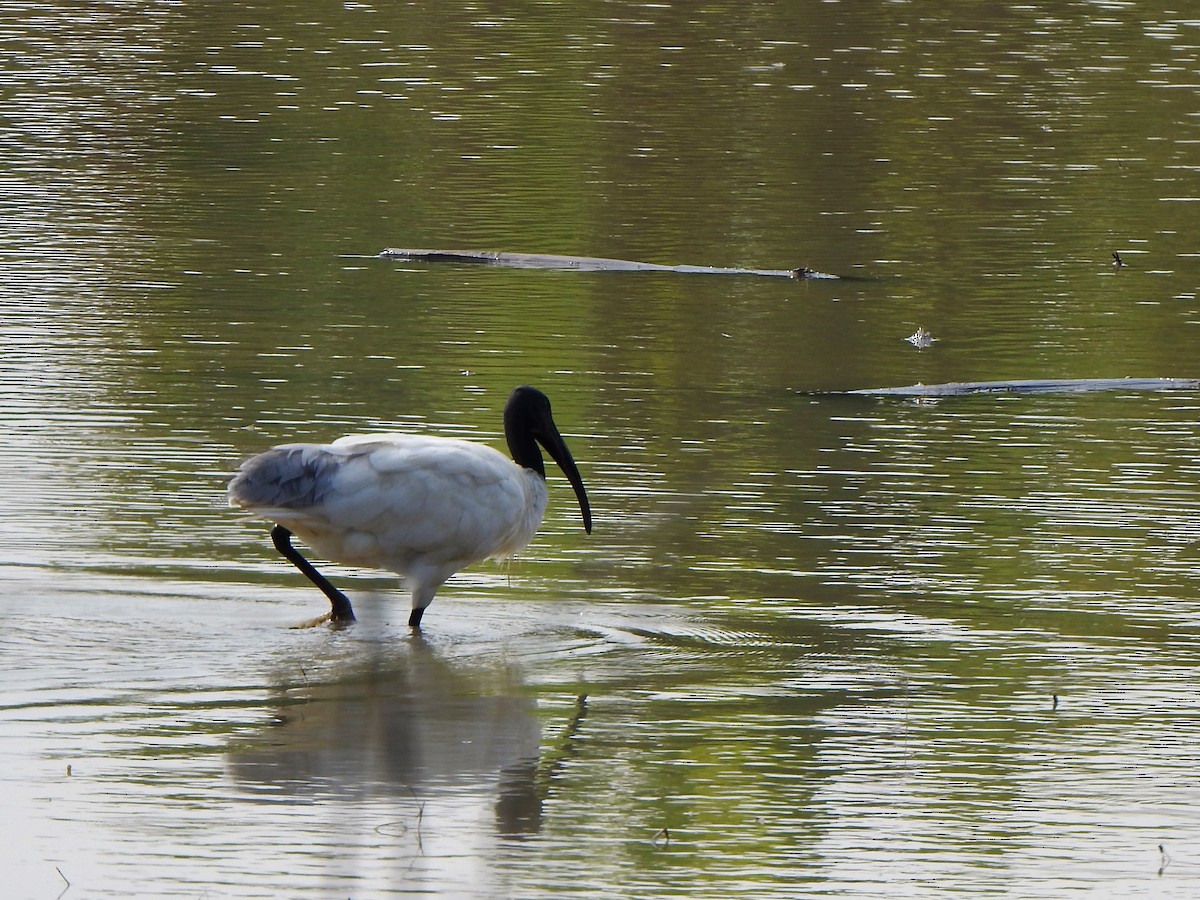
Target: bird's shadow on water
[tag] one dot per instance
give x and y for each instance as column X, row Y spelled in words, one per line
column 400, row 721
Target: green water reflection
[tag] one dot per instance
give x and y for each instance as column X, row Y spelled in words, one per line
column 820, row 636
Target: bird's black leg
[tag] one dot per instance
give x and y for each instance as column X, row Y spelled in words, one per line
column 341, row 613
column 414, row 618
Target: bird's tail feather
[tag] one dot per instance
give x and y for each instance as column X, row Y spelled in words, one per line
column 290, row 477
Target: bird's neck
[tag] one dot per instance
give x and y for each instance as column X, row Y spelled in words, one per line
column 524, row 449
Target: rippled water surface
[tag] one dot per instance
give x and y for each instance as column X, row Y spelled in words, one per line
column 819, row 644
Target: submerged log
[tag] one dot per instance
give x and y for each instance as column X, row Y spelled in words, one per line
column 1032, row 386
column 585, row 263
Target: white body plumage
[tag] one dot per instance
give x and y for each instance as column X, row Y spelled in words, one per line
column 423, row 507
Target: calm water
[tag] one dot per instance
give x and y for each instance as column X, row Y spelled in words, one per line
column 818, row 645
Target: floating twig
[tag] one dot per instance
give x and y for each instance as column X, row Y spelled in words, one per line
column 420, row 817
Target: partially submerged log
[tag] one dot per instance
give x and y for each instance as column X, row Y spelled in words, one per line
column 1033, row 386
column 585, row 263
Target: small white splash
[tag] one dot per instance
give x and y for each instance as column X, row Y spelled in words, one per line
column 921, row 338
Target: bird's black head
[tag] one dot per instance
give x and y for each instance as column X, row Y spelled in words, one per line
column 527, row 423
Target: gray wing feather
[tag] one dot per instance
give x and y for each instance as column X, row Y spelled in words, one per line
column 292, row 476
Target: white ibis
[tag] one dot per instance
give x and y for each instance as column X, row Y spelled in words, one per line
column 423, row 507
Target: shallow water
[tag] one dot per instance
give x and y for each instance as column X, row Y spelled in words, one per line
column 818, row 644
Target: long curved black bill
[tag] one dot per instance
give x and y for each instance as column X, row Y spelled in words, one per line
column 557, row 448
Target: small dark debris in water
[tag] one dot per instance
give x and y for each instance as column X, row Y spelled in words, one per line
column 1164, row 859
column 921, row 338
column 663, row 838
column 392, row 829
column 1118, row 263
column 68, row 770
column 1055, row 704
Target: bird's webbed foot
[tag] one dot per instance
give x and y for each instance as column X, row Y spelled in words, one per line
column 335, row 621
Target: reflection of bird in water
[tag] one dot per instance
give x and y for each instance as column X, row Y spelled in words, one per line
column 524, row 791
column 423, row 507
column 410, row 727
